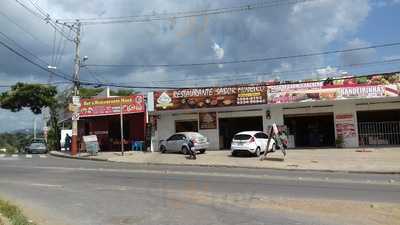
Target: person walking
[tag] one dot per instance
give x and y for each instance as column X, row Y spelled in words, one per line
column 282, row 141
column 67, row 143
column 191, row 152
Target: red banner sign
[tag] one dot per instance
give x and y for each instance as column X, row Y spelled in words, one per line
column 211, row 97
column 111, row 106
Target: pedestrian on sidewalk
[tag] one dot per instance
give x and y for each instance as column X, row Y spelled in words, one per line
column 282, row 141
column 67, row 144
column 192, row 152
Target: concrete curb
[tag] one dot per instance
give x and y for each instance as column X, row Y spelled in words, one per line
column 232, row 166
column 76, row 157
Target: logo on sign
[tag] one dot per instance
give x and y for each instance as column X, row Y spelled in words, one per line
column 164, row 101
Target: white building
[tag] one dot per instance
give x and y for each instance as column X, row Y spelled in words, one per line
column 361, row 111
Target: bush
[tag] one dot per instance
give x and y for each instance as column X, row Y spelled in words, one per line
column 13, row 213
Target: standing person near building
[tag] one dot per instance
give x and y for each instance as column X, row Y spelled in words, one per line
column 67, row 144
column 282, row 140
column 191, row 152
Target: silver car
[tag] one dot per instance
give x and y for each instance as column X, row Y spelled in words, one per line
column 39, row 148
column 180, row 142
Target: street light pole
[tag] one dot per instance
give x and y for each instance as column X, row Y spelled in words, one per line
column 74, row 146
column 34, row 128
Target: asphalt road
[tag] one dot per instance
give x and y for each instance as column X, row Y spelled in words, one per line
column 75, row 192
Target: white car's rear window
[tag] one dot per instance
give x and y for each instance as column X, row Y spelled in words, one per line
column 242, row 137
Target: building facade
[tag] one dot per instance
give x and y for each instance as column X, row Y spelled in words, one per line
column 352, row 111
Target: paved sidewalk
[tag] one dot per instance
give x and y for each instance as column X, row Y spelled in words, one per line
column 376, row 160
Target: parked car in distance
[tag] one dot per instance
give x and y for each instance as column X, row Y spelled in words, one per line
column 36, row 147
column 254, row 142
column 179, row 142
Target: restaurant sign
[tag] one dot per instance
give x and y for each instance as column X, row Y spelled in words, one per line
column 111, row 106
column 210, row 97
column 386, row 85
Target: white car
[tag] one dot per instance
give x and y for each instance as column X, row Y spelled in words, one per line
column 254, row 142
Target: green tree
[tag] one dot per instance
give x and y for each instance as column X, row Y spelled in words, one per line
column 89, row 92
column 122, row 92
column 35, row 97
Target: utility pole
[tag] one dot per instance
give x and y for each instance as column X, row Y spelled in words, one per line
column 77, row 66
column 121, row 117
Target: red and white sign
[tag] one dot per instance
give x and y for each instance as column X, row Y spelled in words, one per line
column 112, row 106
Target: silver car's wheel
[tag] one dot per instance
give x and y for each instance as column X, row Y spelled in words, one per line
column 163, row 149
column 184, row 150
column 258, row 152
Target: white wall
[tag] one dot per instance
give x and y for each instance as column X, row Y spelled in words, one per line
column 212, row 136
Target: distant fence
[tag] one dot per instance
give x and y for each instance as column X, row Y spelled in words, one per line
column 379, row 133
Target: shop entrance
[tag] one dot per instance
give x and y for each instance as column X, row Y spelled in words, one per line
column 311, row 130
column 381, row 127
column 228, row 127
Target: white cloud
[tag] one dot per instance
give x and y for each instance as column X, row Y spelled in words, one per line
column 219, row 52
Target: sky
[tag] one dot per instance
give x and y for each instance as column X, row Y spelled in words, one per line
column 288, row 29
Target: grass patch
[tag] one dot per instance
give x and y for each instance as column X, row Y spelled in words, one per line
column 13, row 213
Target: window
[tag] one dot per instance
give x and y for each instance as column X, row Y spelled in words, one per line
column 181, row 137
column 242, row 137
column 173, row 137
column 186, row 126
column 261, row 136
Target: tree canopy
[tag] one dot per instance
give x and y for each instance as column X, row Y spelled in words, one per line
column 33, row 96
column 121, row 92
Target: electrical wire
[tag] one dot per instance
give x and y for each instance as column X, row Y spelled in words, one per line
column 23, row 29
column 45, row 18
column 254, row 60
column 33, row 62
column 269, row 74
column 88, row 83
column 52, row 83
column 22, row 48
column 187, row 14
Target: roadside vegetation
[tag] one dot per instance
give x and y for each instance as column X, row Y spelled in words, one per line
column 13, row 214
column 13, row 142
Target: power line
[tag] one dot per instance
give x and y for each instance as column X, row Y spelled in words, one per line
column 23, row 29
column 34, row 63
column 52, row 83
column 269, row 73
column 44, row 17
column 25, row 50
column 87, row 83
column 250, row 60
column 187, row 14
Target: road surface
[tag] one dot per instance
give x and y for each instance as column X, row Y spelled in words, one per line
column 75, row 192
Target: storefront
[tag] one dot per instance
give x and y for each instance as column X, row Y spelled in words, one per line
column 314, row 114
column 102, row 117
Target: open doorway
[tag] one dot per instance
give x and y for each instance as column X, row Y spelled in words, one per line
column 311, row 130
column 228, row 127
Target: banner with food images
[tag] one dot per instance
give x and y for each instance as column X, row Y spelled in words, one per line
column 210, row 97
column 208, row 120
column 385, row 85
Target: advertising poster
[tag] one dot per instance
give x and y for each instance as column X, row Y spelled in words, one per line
column 345, row 126
column 210, row 97
column 386, row 85
column 208, row 120
column 111, row 106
